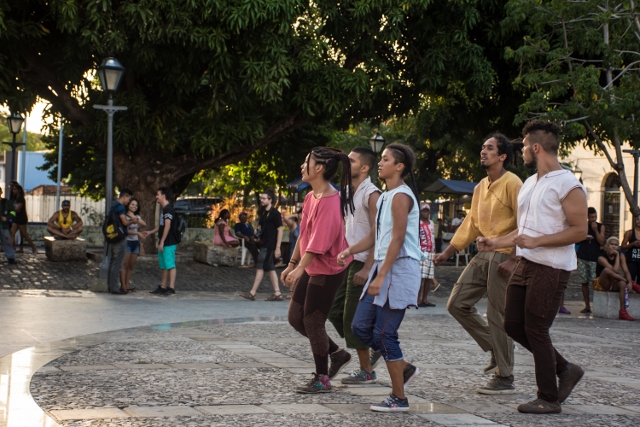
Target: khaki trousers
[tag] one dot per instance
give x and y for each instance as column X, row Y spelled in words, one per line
column 480, row 277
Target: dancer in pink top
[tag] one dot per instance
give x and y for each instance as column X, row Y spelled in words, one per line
column 313, row 272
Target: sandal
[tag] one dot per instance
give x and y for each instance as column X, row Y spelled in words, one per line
column 435, row 288
column 248, row 295
column 585, row 311
column 274, row 297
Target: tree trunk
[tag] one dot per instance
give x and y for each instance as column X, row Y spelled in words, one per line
column 144, row 177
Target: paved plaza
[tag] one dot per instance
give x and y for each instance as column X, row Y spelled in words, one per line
column 208, row 358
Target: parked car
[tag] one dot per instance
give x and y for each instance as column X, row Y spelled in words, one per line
column 195, row 205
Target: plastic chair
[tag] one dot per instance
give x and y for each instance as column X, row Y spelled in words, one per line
column 465, row 254
column 242, row 250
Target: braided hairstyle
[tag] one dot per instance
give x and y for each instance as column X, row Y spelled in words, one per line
column 331, row 158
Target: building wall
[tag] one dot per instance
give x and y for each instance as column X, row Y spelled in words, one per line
column 595, row 170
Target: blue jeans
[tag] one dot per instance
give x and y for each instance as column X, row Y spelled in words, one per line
column 5, row 239
column 377, row 327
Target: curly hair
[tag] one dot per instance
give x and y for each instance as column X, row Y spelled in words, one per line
column 331, row 158
column 505, row 146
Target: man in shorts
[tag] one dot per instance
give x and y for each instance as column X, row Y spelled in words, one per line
column 588, row 253
column 168, row 236
column 270, row 239
column 427, row 269
column 65, row 223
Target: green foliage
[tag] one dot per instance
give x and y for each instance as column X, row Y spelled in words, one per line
column 575, row 72
column 209, row 82
column 34, row 141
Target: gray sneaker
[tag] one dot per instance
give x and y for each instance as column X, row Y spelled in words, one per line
column 375, row 359
column 498, row 385
column 491, row 367
column 360, row 376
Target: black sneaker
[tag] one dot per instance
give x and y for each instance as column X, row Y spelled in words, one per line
column 410, row 372
column 392, row 404
column 167, row 292
column 11, row 260
column 339, row 359
column 158, row 290
column 318, row 384
column 375, row 359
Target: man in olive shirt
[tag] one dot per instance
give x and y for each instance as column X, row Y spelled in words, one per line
column 493, row 213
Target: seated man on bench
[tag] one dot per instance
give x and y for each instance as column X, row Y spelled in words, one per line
column 65, row 224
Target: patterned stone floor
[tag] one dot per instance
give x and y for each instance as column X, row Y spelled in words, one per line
column 245, row 374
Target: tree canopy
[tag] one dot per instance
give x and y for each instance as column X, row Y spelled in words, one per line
column 580, row 63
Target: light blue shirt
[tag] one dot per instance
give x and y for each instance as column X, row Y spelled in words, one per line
column 402, row 284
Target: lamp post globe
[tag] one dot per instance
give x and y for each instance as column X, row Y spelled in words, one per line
column 15, row 122
column 377, row 143
column 110, row 73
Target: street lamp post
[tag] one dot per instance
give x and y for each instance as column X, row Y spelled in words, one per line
column 377, row 143
column 14, row 122
column 110, row 73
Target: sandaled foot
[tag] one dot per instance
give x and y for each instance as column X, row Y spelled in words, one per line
column 585, row 311
column 248, row 295
column 435, row 286
column 274, row 297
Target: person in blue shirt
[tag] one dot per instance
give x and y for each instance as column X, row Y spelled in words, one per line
column 245, row 231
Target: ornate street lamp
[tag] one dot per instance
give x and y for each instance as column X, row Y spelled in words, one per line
column 377, row 143
column 14, row 122
column 110, row 73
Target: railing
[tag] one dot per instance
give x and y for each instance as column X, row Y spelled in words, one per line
column 40, row 208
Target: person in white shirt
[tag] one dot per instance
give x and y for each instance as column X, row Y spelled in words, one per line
column 552, row 206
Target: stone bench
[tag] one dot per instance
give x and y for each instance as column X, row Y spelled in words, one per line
column 65, row 250
column 607, row 304
column 208, row 253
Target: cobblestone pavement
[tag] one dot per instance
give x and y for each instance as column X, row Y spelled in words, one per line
column 37, row 272
column 245, row 373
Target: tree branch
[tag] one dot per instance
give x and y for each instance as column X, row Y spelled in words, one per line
column 601, row 145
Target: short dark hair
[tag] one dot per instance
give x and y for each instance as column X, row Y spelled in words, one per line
column 591, row 211
column 166, row 191
column 544, row 133
column 367, row 156
column 504, row 146
column 270, row 194
column 126, row 192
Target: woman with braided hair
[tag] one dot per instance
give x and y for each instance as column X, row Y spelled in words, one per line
column 313, row 272
column 394, row 279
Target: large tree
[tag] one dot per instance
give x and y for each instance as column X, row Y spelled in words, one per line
column 581, row 65
column 210, row 82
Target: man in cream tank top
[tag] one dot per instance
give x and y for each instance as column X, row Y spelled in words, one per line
column 552, row 206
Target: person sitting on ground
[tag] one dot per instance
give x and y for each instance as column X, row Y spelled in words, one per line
column 221, row 236
column 245, row 231
column 613, row 275
column 65, row 224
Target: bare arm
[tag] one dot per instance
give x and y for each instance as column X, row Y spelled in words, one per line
column 126, row 221
column 220, row 228
column 360, row 278
column 278, row 242
column 165, row 233
column 76, row 219
column 625, row 241
column 625, row 269
column 486, row 245
column 599, row 234
column 141, row 222
column 52, row 221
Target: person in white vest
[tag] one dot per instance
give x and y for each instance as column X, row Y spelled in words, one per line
column 552, row 206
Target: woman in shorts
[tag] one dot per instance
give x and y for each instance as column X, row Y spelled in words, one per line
column 133, row 245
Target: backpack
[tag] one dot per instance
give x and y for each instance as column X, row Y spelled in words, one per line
column 181, row 227
column 112, row 229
